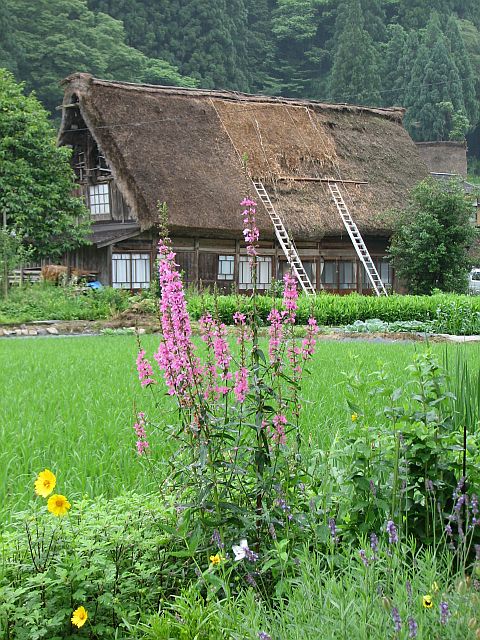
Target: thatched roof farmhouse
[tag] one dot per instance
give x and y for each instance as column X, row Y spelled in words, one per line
column 136, row 145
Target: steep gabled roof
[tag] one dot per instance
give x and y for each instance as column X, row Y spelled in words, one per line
column 185, row 147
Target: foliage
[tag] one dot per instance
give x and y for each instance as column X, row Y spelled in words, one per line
column 464, row 65
column 429, row 247
column 237, row 473
column 35, row 177
column 435, row 80
column 108, row 556
column 58, row 37
column 12, row 254
column 407, row 465
column 205, row 39
column 354, row 76
column 440, row 313
column 9, row 51
column 46, row 301
column 453, row 313
column 63, row 394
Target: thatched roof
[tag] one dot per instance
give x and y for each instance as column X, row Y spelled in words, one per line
column 185, row 147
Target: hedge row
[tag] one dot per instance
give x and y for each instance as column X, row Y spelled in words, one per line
column 451, row 313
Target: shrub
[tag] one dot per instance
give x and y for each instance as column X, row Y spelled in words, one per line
column 450, row 313
column 108, row 556
column 45, row 301
column 430, row 245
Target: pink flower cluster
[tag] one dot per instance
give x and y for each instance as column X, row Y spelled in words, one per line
column 278, row 318
column 145, row 371
column 290, row 296
column 240, row 388
column 279, row 423
column 176, row 353
column 275, row 332
column 214, row 334
column 250, row 229
column 139, row 426
column 308, row 343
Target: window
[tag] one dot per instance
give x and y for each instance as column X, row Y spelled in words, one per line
column 310, row 267
column 347, row 272
column 329, row 274
column 384, row 269
column 264, row 273
column 99, row 198
column 131, row 270
column 226, row 267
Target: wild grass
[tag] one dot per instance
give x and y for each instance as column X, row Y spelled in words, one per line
column 45, row 301
column 68, row 404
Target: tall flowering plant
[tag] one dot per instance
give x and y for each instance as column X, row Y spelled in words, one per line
column 238, row 460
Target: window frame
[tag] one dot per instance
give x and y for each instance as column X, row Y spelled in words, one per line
column 99, row 200
column 245, row 273
column 224, row 260
column 131, row 266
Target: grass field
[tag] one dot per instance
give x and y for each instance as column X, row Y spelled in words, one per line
column 68, row 404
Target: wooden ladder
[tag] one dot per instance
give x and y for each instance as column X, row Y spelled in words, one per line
column 357, row 240
column 285, row 241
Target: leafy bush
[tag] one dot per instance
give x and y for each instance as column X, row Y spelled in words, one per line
column 406, row 451
column 430, row 245
column 45, row 301
column 108, row 556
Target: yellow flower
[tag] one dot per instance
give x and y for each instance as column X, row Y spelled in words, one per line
column 45, row 483
column 216, row 559
column 79, row 617
column 427, row 601
column 58, row 505
column 354, row 417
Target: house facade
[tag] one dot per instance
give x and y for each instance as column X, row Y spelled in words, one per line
column 134, row 146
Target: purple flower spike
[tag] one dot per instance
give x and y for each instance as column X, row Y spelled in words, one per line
column 363, row 557
column 397, row 621
column 412, row 628
column 408, row 587
column 444, row 613
column 373, row 542
column 217, row 540
column 333, row 528
column 264, row 636
column 392, row 532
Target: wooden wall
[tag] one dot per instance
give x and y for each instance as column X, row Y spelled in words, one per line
column 95, row 260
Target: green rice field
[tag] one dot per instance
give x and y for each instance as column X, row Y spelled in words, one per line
column 68, row 404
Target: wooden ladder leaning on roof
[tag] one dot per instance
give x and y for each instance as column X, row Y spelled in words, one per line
column 286, row 242
column 357, row 240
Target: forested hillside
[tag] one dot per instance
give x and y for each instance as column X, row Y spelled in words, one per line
column 421, row 54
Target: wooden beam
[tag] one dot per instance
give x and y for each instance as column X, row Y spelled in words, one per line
column 308, row 179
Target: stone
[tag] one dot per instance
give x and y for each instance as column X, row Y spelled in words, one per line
column 32, row 332
column 53, row 331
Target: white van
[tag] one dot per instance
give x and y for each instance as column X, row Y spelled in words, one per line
column 474, row 281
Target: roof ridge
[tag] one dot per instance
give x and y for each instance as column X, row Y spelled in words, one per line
column 85, row 80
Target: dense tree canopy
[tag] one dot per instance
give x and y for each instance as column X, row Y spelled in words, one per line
column 421, row 54
column 58, row 37
column 35, row 177
column 355, row 76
